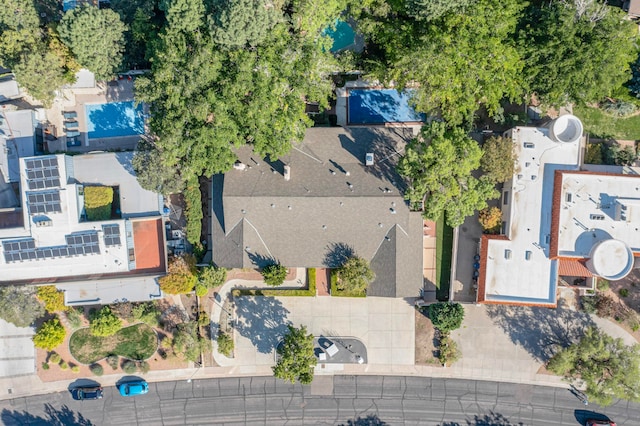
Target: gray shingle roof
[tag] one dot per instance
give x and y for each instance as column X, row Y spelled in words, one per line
column 331, row 203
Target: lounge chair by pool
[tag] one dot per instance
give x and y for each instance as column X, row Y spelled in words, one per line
column 69, row 114
column 70, row 125
column 73, row 134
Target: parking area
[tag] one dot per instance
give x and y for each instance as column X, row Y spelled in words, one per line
column 385, row 326
column 17, row 353
column 462, row 282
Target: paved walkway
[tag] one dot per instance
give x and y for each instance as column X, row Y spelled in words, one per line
column 322, row 282
column 429, row 260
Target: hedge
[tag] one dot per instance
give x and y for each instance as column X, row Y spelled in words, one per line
column 341, row 293
column 309, row 291
column 193, row 213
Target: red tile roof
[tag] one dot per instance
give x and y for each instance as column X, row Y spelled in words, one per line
column 573, row 268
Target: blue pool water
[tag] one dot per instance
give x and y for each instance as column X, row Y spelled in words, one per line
column 114, row 119
column 68, row 4
column 369, row 106
column 343, row 35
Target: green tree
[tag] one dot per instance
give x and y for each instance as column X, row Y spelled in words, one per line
column 609, row 368
column 239, row 23
column 296, row 357
column 576, row 53
column 498, row 159
column 274, row 274
column 210, row 277
column 446, row 317
column 439, row 165
column 225, row 344
column 151, row 172
column 490, row 218
column 52, row 298
column 430, row 10
column 146, row 312
column 187, row 343
column 355, row 275
column 181, row 275
column 96, row 38
column 19, row 306
column 50, row 335
column 104, row 323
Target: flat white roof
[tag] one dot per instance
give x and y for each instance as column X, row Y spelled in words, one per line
column 518, row 269
column 55, row 242
column 9, row 89
column 16, row 141
column 596, row 207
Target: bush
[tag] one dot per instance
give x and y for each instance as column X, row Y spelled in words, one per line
column 620, row 156
column 74, row 316
column 49, row 335
column 203, row 319
column 624, row 292
column 225, row 344
column 187, row 342
column 310, row 291
column 147, row 312
column 45, row 365
column 274, row 274
column 446, row 316
column 193, row 211
column 129, row 366
column 105, row 323
column 594, row 154
column 123, row 310
column 618, row 108
column 75, row 368
column 96, row 369
column 64, row 365
column 97, row 202
column 448, row 351
column 144, row 367
column 211, row 277
column 589, row 304
column 354, row 276
column 602, row 284
column 112, row 361
column 55, row 358
column 201, row 290
column 52, row 298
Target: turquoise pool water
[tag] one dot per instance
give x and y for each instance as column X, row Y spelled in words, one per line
column 114, row 119
column 343, row 35
column 378, row 106
column 68, row 4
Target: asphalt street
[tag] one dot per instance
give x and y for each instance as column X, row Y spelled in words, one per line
column 330, row 400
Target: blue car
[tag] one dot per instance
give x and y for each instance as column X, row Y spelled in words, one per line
column 138, row 387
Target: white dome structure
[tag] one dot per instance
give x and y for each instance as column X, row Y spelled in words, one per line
column 611, row 259
column 565, row 129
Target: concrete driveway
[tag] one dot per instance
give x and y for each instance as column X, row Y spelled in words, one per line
column 17, row 353
column 386, row 326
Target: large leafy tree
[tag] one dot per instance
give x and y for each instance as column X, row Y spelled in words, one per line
column 609, row 368
column 52, row 298
column 239, row 23
column 355, row 275
column 105, row 323
column 456, row 63
column 96, row 38
column 50, row 334
column 19, row 306
column 576, row 50
column 296, row 357
column 181, row 275
column 438, row 166
column 499, row 159
column 446, row 317
column 429, row 10
column 151, row 171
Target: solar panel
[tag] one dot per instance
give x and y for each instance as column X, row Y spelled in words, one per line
column 44, row 202
column 111, row 235
column 42, row 173
column 17, row 251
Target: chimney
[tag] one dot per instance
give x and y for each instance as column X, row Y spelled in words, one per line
column 287, row 172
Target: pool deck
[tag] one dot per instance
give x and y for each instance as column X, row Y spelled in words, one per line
column 75, row 100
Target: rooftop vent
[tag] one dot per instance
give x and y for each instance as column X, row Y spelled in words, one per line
column 238, row 165
column 565, row 129
column 287, row 172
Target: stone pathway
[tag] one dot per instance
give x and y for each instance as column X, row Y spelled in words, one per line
column 322, row 282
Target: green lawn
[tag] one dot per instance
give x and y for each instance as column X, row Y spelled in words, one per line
column 137, row 342
column 601, row 125
column 444, row 246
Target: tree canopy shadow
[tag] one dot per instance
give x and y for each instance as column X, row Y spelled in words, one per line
column 262, row 320
column 369, row 420
column 491, row 419
column 541, row 331
column 55, row 417
column 261, row 260
column 337, row 254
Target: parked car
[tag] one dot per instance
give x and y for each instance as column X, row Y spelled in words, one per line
column 137, row 387
column 86, row 392
column 599, row 422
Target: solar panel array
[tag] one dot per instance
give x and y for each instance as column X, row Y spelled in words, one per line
column 42, row 173
column 44, row 202
column 111, row 235
column 77, row 244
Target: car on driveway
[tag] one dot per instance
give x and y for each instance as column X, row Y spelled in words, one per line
column 86, row 392
column 138, row 387
column 599, row 422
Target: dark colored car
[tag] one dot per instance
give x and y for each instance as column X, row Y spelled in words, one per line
column 138, row 387
column 82, row 393
column 599, row 422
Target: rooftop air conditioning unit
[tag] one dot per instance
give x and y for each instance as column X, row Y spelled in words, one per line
column 369, row 159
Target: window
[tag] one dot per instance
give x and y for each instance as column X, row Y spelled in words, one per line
column 507, row 254
column 505, row 198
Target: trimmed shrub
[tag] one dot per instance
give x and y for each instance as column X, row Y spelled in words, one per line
column 52, row 298
column 624, row 292
column 113, row 361
column 594, row 154
column 225, row 344
column 105, row 323
column 448, row 351
column 64, row 365
column 193, row 211
column 274, row 274
column 129, row 366
column 602, row 284
column 97, row 202
column 203, row 319
column 54, row 358
column 97, row 369
column 144, row 367
column 74, row 316
column 45, row 365
column 148, row 313
column 49, row 335
column 75, row 368
column 446, row 316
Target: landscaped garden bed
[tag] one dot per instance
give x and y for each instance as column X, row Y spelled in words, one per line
column 137, row 342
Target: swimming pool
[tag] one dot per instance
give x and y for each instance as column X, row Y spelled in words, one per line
column 68, row 5
column 343, row 35
column 114, row 119
column 379, row 106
